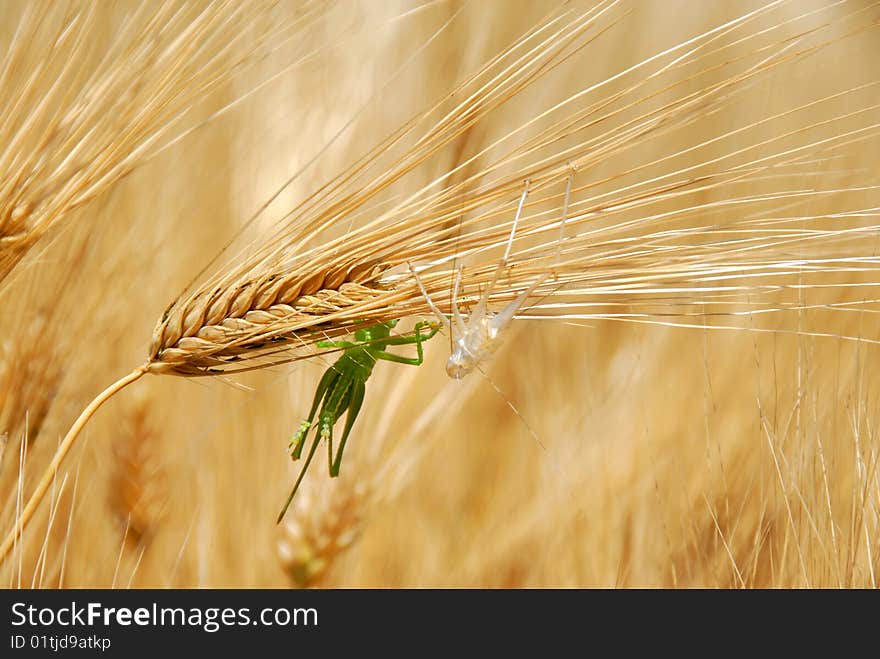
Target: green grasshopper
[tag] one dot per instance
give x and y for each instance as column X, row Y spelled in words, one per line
column 343, row 385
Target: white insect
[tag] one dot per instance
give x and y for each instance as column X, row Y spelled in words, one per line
column 476, row 339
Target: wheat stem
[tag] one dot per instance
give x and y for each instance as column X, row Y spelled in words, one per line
column 60, row 453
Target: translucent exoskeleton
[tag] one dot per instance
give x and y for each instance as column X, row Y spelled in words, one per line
column 474, row 340
column 343, row 385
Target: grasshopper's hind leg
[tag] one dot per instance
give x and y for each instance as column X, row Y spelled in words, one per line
column 354, row 407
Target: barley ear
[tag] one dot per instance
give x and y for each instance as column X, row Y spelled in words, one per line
column 319, row 531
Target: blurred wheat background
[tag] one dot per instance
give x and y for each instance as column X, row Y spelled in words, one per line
column 591, row 453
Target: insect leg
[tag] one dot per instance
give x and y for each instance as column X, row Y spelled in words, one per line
column 443, row 319
column 522, row 201
column 480, row 309
column 338, row 400
column 456, row 312
column 327, row 383
column 500, row 320
column 354, row 407
column 418, row 339
column 399, row 359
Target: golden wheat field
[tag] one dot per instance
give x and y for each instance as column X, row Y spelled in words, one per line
column 686, row 397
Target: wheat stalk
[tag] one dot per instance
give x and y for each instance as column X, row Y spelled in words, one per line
column 300, row 284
